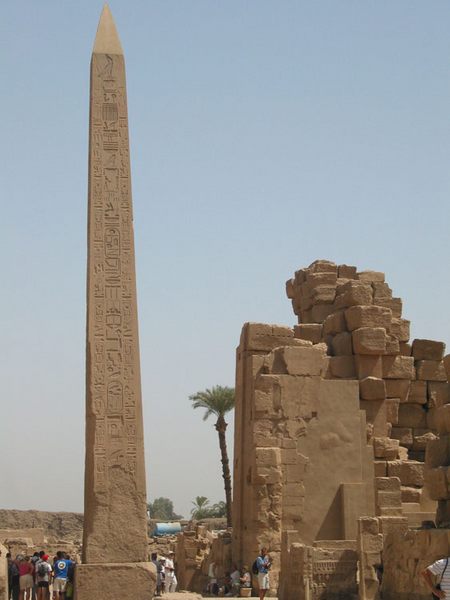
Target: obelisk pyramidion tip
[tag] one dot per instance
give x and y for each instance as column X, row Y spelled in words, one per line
column 107, row 39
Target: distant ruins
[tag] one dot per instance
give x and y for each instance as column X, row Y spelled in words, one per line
column 332, row 420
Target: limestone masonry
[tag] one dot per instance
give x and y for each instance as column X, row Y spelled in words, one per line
column 332, row 420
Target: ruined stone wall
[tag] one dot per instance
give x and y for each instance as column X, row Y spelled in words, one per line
column 300, row 394
column 56, row 525
column 301, row 457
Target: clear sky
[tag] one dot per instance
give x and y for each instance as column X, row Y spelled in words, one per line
column 264, row 135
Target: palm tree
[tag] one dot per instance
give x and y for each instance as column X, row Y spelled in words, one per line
column 201, row 507
column 218, row 401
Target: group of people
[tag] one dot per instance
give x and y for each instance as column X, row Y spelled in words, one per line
column 30, row 577
column 166, row 580
column 235, row 580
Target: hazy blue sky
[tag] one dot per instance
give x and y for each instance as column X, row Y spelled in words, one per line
column 263, row 135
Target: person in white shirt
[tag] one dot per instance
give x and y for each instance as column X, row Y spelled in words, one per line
column 440, row 569
column 171, row 580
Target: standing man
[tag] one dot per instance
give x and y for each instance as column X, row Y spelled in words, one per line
column 171, row 580
column 263, row 565
column 61, row 572
column 441, row 570
column 43, row 574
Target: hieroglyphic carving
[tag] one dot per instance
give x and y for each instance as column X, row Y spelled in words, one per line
column 113, row 305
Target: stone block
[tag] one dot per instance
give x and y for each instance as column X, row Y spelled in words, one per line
column 394, row 304
column 398, row 367
column 322, row 266
column 387, row 484
column 302, row 360
column 381, row 291
column 334, row 323
column 431, row 370
column 341, row 344
column 409, row 472
column 392, row 345
column 380, row 468
column 320, row 279
column 403, row 454
column 400, row 329
column 436, row 481
column 347, row 272
column 320, row 312
column 443, row 514
column 442, row 420
column 411, row 494
column 259, row 336
column 420, row 441
column 323, row 294
column 447, row 366
column 396, row 525
column 369, row 340
column 269, row 457
column 418, row 392
column 107, row 581
column 376, row 416
column 385, row 447
column 342, row 367
column 354, row 293
column 438, row 393
column 371, row 276
column 397, row 388
column 367, row 316
column 372, row 388
column 309, row 331
column 437, row 453
column 368, row 366
column 372, row 543
column 432, row 419
column 392, row 405
column 389, row 499
column 290, row 289
column 368, row 525
column 405, row 348
column 428, row 350
column 412, row 415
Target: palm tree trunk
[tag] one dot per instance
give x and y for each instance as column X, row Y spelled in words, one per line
column 221, row 427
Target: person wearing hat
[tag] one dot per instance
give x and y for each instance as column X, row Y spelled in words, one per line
column 43, row 571
column 171, row 580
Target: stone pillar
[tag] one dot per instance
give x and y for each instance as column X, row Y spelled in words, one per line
column 115, row 521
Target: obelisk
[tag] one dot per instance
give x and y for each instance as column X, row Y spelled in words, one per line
column 115, row 517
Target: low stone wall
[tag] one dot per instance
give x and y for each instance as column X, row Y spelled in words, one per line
column 405, row 556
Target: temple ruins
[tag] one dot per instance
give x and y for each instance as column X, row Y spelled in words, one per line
column 332, row 421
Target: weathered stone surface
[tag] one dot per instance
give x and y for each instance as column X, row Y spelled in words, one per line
column 368, row 366
column 259, row 336
column 334, row 323
column 385, row 447
column 354, row 293
column 369, row 340
column 409, row 472
column 114, row 581
column 367, row 316
column 372, row 388
column 392, row 406
column 418, row 392
column 398, row 367
column 342, row 366
column 412, row 415
column 115, row 516
column 428, row 350
column 397, row 388
column 309, row 331
column 371, row 276
column 301, row 360
column 400, row 329
column 341, row 344
column 438, row 393
column 447, row 366
column 430, row 370
column 347, row 272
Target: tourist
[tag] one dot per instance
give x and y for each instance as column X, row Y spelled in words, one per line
column 162, row 573
column 26, row 570
column 33, row 561
column 441, row 570
column 13, row 578
column 171, row 579
column 70, row 579
column 246, row 578
column 158, row 567
column 263, row 565
column 61, row 573
column 226, row 590
column 212, row 588
column 235, row 577
column 43, row 572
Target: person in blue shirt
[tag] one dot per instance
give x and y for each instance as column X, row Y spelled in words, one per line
column 61, row 571
column 263, row 563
